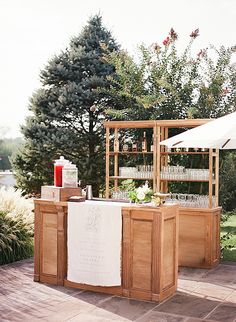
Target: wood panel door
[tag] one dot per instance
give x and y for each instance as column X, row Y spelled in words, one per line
column 150, row 254
column 50, row 242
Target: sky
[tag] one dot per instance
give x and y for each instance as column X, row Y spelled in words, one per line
column 33, row 31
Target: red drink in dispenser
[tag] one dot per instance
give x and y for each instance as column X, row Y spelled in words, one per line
column 58, row 166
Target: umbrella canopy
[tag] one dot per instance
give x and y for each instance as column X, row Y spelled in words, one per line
column 217, row 134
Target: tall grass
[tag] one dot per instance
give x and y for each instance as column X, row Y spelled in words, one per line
column 15, row 239
column 12, row 202
column 16, row 226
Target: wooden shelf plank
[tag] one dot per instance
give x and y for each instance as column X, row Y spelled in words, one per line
column 134, row 178
column 181, row 123
column 179, row 180
column 185, row 180
column 185, row 153
column 129, row 152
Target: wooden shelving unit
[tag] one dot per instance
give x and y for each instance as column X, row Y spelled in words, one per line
column 160, row 154
column 115, row 126
column 199, row 229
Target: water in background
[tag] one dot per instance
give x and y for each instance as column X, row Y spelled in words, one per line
column 7, row 179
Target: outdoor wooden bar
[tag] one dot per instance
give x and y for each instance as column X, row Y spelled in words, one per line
column 149, row 261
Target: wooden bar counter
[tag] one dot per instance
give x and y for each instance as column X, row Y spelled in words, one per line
column 149, row 250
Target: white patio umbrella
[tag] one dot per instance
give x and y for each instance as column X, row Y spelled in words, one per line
column 219, row 134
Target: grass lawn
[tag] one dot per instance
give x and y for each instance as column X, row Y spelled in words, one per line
column 229, row 226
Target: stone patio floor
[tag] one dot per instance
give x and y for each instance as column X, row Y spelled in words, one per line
column 203, row 295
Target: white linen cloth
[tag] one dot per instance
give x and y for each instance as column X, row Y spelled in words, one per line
column 94, row 243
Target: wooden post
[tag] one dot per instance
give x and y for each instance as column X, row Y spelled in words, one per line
column 61, row 244
column 116, row 166
column 37, row 221
column 126, row 253
column 155, row 158
column 158, row 178
column 107, row 160
column 210, row 177
column 217, row 177
column 166, row 133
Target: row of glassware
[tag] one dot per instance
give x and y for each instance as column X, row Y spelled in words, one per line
column 187, row 150
column 182, row 199
column 182, row 173
column 169, row 172
column 140, row 171
column 190, row 200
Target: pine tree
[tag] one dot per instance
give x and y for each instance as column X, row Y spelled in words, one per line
column 65, row 119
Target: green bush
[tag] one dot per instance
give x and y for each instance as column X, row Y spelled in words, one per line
column 228, row 236
column 16, row 240
column 228, row 180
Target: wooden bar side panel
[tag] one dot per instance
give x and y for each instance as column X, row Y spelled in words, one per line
column 36, row 243
column 192, row 234
column 156, row 256
column 169, row 243
column 199, row 237
column 216, row 238
column 153, row 252
column 126, row 252
column 50, row 241
column 141, row 236
column 48, row 247
column 62, row 244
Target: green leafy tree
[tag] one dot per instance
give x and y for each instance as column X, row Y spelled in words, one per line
column 228, row 180
column 217, row 89
column 160, row 85
column 66, row 120
column 166, row 84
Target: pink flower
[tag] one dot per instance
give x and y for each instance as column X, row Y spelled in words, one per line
column 166, row 41
column 201, row 53
column 225, row 91
column 173, row 34
column 156, row 47
column 195, row 33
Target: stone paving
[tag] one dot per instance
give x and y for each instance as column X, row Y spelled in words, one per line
column 203, row 295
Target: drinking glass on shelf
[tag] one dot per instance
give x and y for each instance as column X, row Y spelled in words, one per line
column 120, row 194
column 190, row 200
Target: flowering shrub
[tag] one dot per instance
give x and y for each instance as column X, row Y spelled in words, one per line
column 141, row 194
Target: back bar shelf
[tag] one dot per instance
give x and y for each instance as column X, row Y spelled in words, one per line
column 200, row 245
